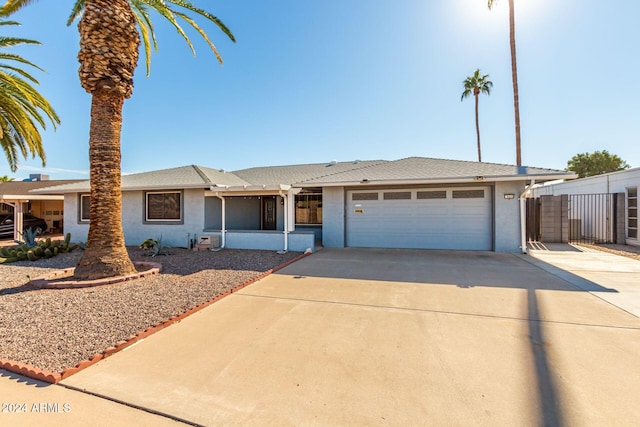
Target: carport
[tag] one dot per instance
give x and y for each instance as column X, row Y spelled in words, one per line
column 16, row 194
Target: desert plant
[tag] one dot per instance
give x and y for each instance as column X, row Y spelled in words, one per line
column 44, row 248
column 154, row 247
column 28, row 238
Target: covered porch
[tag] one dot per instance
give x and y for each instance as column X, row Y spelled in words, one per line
column 255, row 217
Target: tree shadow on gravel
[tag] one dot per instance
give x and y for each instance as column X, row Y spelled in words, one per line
column 178, row 262
column 22, row 379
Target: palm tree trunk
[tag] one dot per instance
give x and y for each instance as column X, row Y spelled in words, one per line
column 105, row 254
column 108, row 57
column 478, row 128
column 514, row 76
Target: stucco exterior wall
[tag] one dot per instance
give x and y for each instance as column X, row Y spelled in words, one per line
column 611, row 183
column 506, row 226
column 79, row 231
column 173, row 234
column 135, row 230
column 615, row 182
column 333, row 222
column 267, row 240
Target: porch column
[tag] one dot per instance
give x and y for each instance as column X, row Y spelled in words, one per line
column 223, row 228
column 291, row 212
column 18, row 221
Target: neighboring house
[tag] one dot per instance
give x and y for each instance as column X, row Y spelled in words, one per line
column 16, row 198
column 624, row 183
column 408, row 203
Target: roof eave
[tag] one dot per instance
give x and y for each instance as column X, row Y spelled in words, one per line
column 27, row 197
column 125, row 188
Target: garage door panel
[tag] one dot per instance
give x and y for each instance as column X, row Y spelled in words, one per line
column 463, row 222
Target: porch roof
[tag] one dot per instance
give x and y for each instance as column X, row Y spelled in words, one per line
column 13, row 191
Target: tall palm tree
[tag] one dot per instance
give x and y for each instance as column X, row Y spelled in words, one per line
column 514, row 76
column 110, row 34
column 21, row 105
column 474, row 85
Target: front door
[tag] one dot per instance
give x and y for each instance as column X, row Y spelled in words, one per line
column 269, row 212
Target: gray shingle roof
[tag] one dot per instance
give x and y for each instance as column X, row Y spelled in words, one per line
column 411, row 169
column 422, row 168
column 181, row 177
column 24, row 187
column 291, row 174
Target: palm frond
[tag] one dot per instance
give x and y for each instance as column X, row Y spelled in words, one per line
column 12, row 57
column 168, row 14
column 23, row 110
column 203, row 34
column 141, row 8
column 20, row 71
column 164, row 9
column 145, row 31
column 205, row 14
column 78, row 7
column 14, row 41
column 12, row 6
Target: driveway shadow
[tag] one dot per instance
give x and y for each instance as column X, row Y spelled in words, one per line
column 465, row 269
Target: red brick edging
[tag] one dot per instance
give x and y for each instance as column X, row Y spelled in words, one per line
column 48, row 281
column 55, row 377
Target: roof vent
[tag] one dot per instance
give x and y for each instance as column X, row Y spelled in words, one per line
column 333, row 162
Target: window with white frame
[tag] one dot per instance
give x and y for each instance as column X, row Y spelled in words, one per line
column 632, row 212
column 165, row 206
column 84, row 207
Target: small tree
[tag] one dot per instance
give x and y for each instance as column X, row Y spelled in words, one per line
column 596, row 163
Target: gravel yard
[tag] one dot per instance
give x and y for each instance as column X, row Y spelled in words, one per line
column 622, row 250
column 56, row 329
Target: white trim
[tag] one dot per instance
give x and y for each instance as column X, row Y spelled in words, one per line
column 26, row 198
column 80, row 205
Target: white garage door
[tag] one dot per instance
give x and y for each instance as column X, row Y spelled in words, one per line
column 443, row 218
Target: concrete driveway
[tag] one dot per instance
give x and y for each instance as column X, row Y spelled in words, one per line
column 389, row 337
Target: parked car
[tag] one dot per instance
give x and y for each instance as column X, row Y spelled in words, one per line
column 38, row 225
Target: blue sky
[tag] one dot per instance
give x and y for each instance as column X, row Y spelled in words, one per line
column 315, row 81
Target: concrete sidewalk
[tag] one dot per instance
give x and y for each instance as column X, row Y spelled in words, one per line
column 379, row 337
column 26, row 402
column 613, row 278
